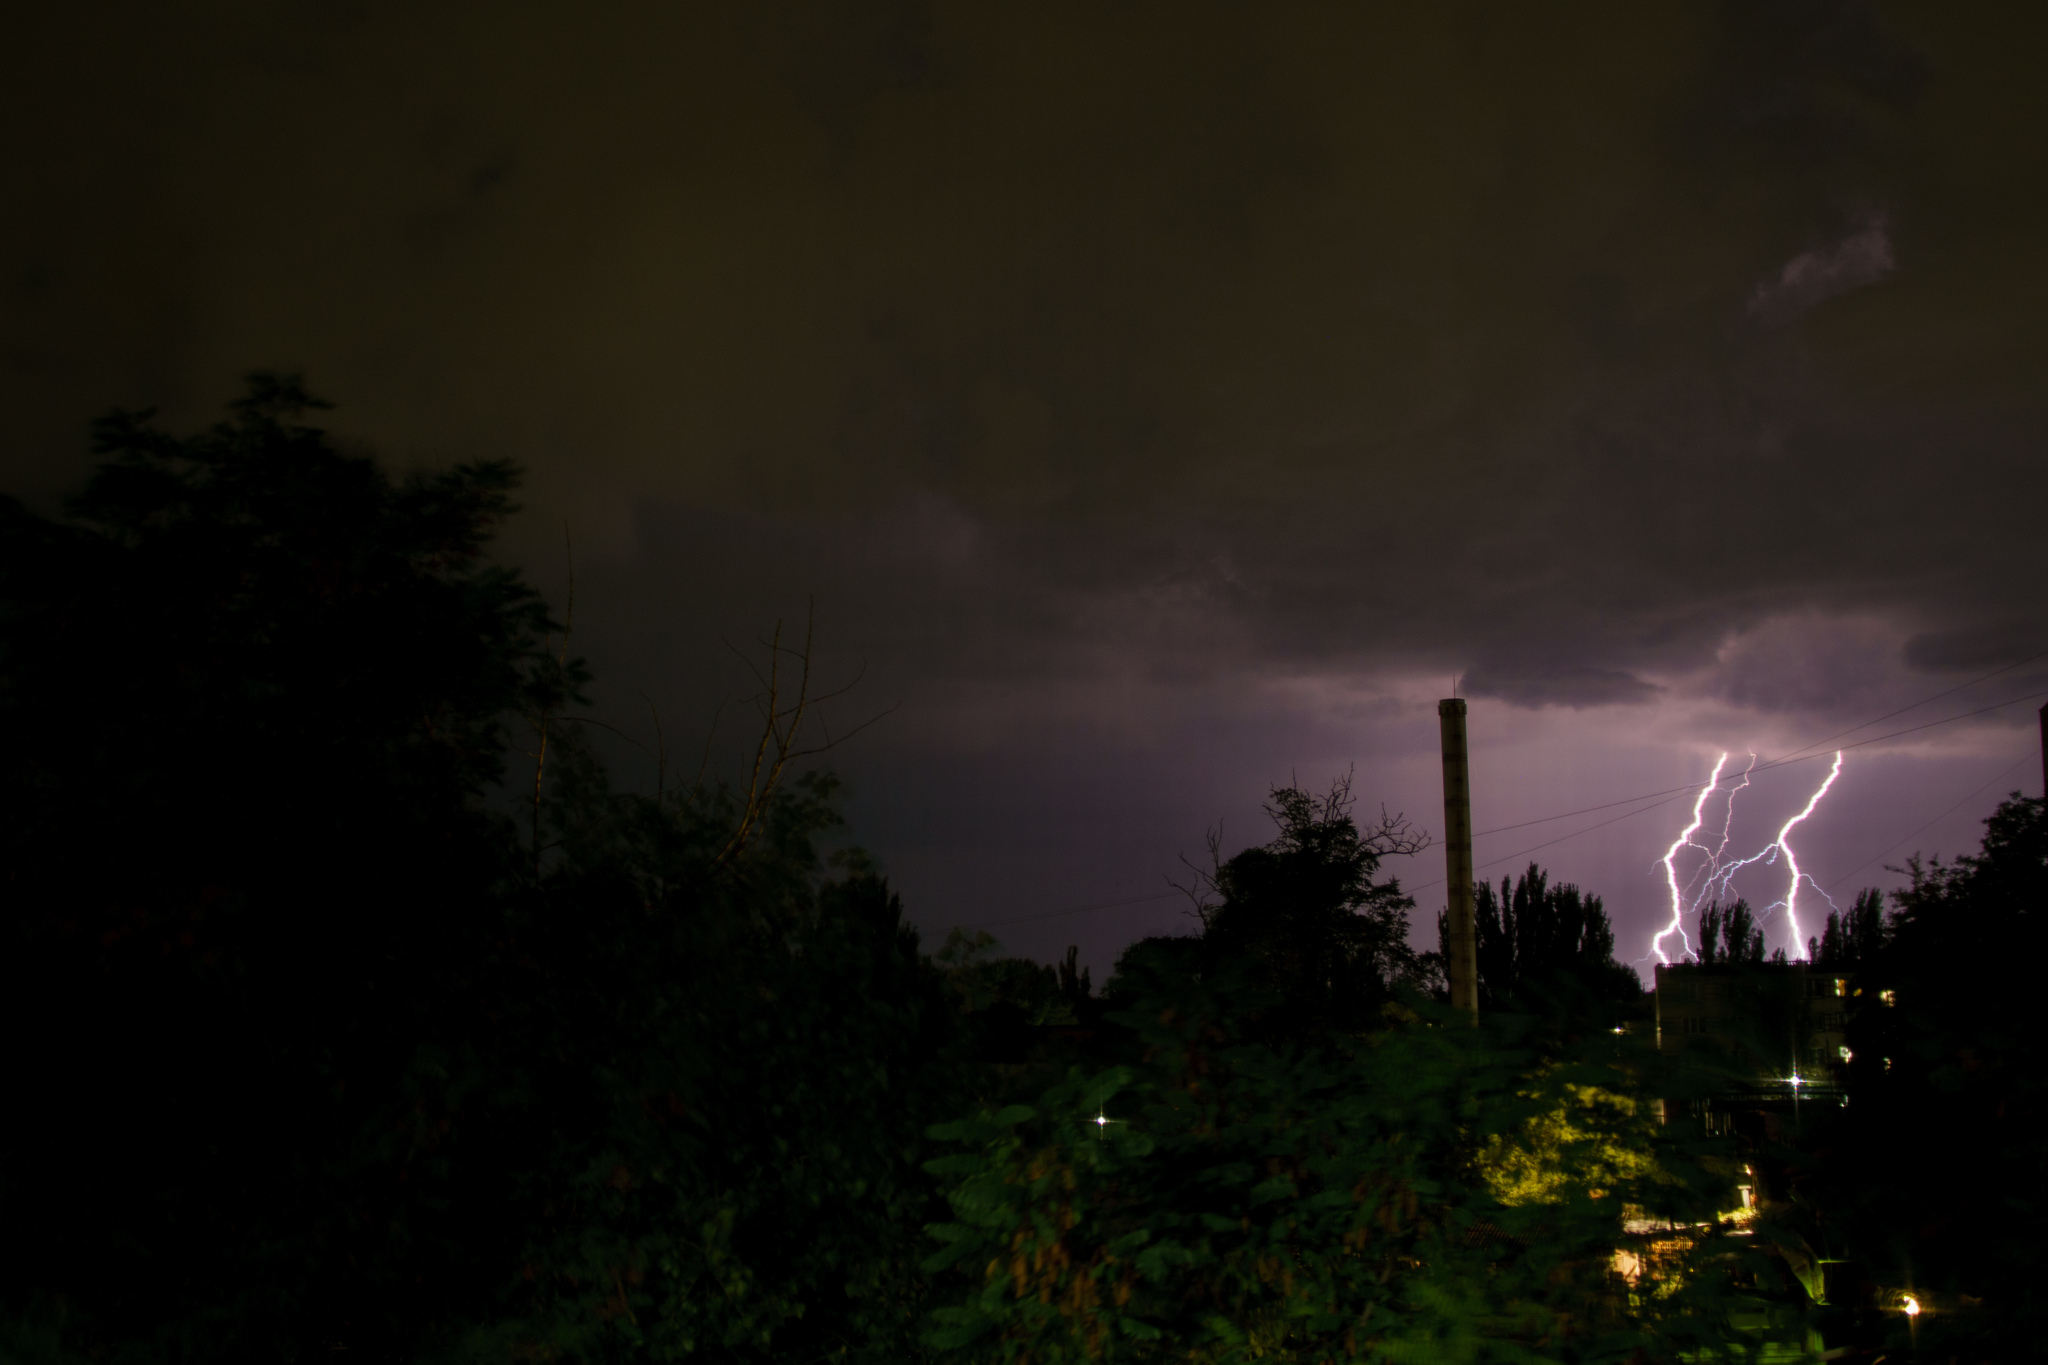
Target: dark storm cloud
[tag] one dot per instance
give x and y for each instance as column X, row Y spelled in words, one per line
column 1152, row 371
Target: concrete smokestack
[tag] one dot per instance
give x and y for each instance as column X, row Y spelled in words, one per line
column 1464, row 946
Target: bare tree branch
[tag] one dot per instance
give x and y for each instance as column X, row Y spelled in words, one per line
column 782, row 724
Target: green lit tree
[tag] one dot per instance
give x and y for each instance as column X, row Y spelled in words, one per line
column 1427, row 1192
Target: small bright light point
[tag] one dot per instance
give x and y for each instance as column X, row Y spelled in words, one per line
column 1911, row 1305
column 1101, row 1121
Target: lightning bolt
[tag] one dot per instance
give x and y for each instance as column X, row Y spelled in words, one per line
column 1716, row 875
column 1728, row 821
column 1684, row 840
column 1792, row 860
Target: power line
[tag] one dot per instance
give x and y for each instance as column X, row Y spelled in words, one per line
column 1886, row 853
column 1822, row 743
column 1510, row 857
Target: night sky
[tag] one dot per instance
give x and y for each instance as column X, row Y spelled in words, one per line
column 1159, row 401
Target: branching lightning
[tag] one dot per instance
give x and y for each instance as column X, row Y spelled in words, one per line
column 1713, row 878
column 1792, row 861
column 1684, row 840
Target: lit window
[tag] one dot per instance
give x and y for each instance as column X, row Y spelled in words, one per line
column 1841, row 986
column 1889, row 997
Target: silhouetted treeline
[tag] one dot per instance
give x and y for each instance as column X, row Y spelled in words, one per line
column 1547, row 949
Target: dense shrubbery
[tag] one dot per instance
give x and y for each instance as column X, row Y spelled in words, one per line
column 1370, row 1199
column 1272, row 1169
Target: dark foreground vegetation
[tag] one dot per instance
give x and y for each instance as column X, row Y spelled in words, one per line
column 328, row 1036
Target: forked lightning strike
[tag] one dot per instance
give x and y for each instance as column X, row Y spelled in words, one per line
column 1716, row 873
column 1792, row 861
column 1684, row 839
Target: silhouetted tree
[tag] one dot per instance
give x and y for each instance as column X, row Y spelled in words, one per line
column 708, row 1076
column 1544, row 947
column 1304, row 915
column 1730, row 936
column 256, row 693
column 1853, row 938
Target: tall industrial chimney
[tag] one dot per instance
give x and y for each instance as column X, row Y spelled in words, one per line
column 1464, row 964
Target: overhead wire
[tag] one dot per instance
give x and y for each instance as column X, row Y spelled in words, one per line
column 1896, row 844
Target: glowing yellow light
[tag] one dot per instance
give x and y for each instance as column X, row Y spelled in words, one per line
column 1911, row 1306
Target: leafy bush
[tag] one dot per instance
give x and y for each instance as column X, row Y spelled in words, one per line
column 1429, row 1191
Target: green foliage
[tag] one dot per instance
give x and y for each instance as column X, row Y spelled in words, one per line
column 1224, row 1200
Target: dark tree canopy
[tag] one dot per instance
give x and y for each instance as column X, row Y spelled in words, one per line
column 1932, row 1170
column 1852, row 937
column 257, row 693
column 1730, row 936
column 246, row 643
column 1542, row 945
column 325, row 1059
column 1305, row 916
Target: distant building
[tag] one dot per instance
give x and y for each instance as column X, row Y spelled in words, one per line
column 1777, row 1027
